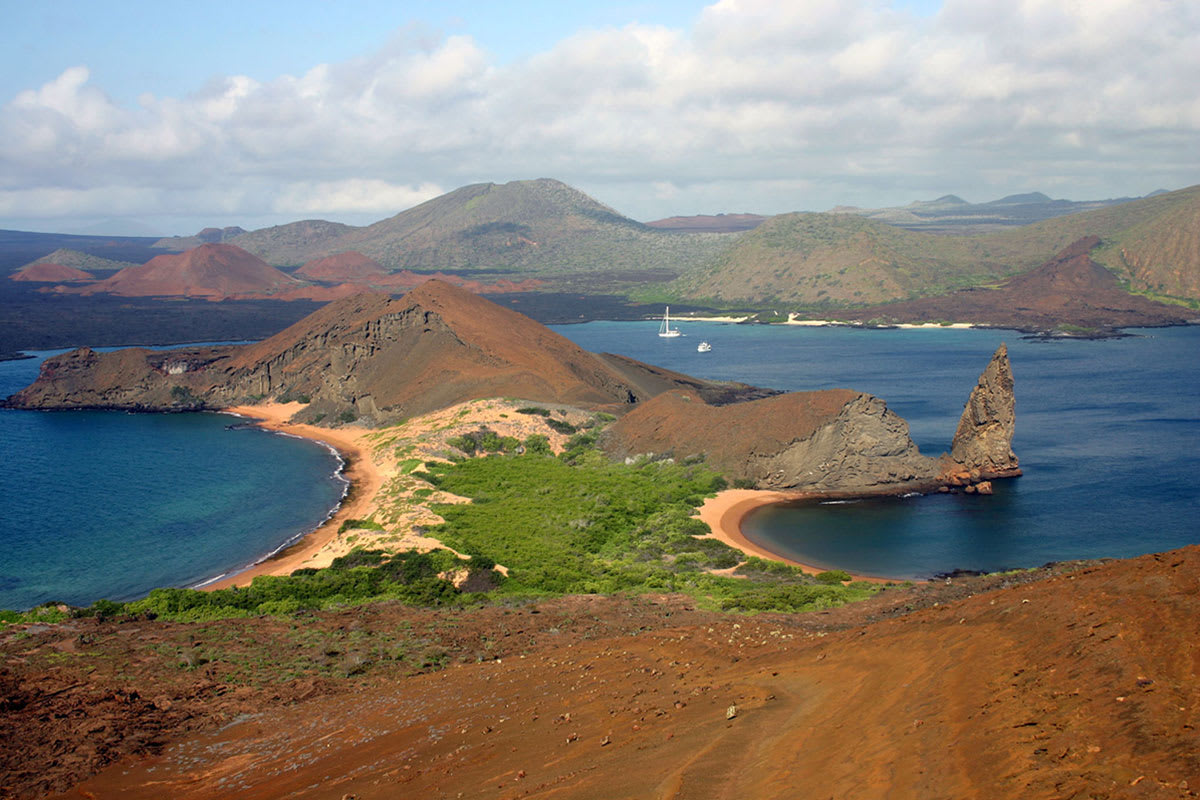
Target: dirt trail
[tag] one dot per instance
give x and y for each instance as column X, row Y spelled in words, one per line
column 1082, row 684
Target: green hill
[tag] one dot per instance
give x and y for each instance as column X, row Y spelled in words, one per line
column 1152, row 245
column 292, row 244
column 540, row 228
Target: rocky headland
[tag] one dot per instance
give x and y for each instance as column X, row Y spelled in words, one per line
column 374, row 360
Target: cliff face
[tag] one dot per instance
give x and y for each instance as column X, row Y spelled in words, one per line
column 833, row 442
column 865, row 447
column 983, row 441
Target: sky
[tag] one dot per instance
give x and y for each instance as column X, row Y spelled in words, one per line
column 150, row 117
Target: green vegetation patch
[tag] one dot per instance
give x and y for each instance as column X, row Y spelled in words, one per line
column 580, row 523
column 357, row 577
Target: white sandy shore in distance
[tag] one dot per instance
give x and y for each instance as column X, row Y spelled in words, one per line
column 821, row 323
column 709, row 319
column 724, row 515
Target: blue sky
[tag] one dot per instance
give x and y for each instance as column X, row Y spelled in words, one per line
column 175, row 116
column 171, row 47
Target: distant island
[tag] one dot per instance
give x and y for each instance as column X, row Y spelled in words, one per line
column 930, row 261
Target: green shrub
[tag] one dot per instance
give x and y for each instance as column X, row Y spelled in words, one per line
column 363, row 524
column 537, row 444
column 833, row 576
column 561, row 426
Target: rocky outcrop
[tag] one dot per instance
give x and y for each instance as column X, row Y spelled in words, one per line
column 865, row 448
column 833, row 443
column 982, row 443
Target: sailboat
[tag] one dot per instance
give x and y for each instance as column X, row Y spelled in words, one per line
column 665, row 330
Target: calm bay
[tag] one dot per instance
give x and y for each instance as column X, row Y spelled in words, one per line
column 107, row 504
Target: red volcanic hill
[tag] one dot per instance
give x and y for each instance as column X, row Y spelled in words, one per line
column 210, row 271
column 351, row 266
column 436, row 346
column 52, row 273
column 369, row 357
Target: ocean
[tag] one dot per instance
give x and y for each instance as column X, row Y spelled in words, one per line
column 1107, row 432
column 107, row 504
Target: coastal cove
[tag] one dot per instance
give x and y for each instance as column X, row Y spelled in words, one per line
column 1106, row 431
column 109, row 504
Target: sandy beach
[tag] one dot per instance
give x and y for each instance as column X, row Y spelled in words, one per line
column 724, row 515
column 364, row 475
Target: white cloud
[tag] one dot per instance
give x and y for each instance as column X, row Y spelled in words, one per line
column 780, row 104
column 352, row 195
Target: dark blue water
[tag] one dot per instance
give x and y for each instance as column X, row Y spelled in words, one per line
column 105, row 504
column 1108, row 434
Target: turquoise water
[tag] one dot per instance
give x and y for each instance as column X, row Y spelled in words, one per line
column 107, row 504
column 1108, row 434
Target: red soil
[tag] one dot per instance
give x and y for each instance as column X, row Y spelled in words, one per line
column 348, row 267
column 52, row 273
column 1073, row 683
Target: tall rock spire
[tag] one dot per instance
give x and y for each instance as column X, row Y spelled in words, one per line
column 983, row 441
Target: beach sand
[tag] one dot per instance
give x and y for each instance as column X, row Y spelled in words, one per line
column 371, row 467
column 364, row 474
column 725, row 513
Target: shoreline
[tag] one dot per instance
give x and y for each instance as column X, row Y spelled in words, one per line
column 794, row 319
column 363, row 478
column 725, row 513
